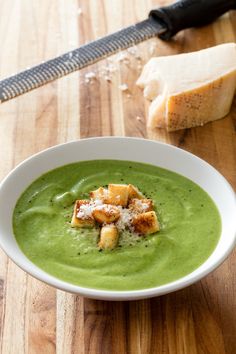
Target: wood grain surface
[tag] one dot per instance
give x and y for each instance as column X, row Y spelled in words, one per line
column 36, row 318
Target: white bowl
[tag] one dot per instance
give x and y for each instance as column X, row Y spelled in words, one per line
column 132, row 149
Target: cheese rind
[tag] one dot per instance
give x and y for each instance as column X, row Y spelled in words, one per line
column 190, row 89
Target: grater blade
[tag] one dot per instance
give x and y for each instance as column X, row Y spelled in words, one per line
column 77, row 59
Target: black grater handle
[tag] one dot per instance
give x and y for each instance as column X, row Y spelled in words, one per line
column 189, row 13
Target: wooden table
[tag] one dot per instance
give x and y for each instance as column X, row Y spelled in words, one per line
column 36, row 318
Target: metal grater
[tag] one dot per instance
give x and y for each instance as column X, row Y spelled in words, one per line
column 164, row 22
column 77, row 59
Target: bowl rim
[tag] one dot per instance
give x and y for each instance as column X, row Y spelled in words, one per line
column 115, row 295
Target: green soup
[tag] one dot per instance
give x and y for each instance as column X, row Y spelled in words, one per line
column 189, row 220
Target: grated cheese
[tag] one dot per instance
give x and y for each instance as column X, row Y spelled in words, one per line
column 126, row 216
column 122, row 57
column 90, row 76
column 85, row 210
column 123, row 87
column 124, row 221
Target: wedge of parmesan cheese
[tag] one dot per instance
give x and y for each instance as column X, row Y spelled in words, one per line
column 190, row 89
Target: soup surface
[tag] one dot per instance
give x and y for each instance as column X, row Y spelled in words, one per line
column 190, row 227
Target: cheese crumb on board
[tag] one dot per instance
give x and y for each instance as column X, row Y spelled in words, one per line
column 190, row 89
column 90, row 76
column 123, row 57
column 123, row 87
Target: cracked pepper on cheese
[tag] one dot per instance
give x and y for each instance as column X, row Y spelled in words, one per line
column 190, row 89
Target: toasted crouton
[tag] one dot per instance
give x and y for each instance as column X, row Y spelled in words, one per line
column 100, row 194
column 146, row 223
column 134, row 192
column 81, row 220
column 141, row 205
column 106, row 213
column 118, row 194
column 109, row 237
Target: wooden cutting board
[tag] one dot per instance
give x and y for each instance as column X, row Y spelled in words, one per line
column 36, row 318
